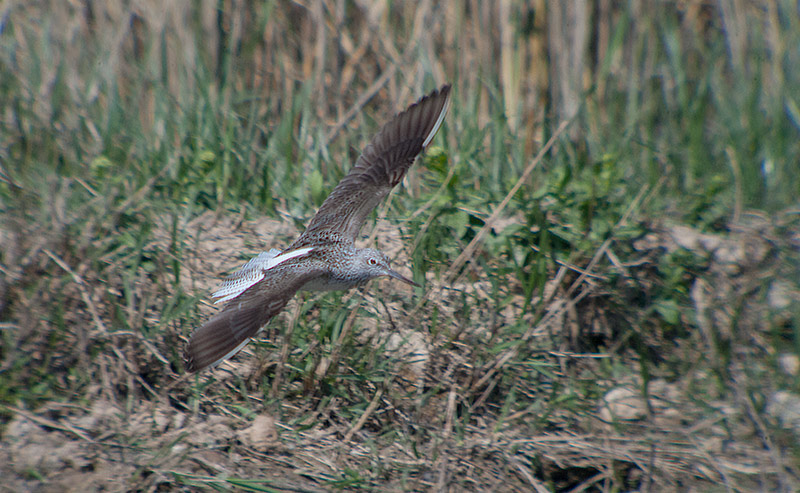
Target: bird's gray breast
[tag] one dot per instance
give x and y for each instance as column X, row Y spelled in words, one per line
column 339, row 267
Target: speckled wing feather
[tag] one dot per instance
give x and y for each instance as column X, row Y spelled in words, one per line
column 227, row 332
column 381, row 166
column 253, row 271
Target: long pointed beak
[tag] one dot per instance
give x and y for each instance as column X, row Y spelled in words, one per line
column 401, row 277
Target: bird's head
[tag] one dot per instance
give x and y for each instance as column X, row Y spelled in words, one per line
column 374, row 263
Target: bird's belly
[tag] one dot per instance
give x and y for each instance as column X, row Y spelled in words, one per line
column 329, row 283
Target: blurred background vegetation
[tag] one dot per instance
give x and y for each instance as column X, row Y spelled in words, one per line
column 122, row 122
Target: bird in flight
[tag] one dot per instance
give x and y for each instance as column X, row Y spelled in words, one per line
column 324, row 257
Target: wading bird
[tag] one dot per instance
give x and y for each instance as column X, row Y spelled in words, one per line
column 324, row 257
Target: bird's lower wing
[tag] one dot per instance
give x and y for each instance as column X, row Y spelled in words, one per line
column 227, row 332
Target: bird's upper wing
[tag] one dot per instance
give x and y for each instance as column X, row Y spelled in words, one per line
column 227, row 332
column 381, row 166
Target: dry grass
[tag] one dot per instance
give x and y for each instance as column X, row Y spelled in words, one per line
column 442, row 422
column 576, row 332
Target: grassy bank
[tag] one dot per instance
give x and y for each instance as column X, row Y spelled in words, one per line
column 619, row 312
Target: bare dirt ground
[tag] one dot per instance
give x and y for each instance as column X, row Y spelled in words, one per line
column 138, row 425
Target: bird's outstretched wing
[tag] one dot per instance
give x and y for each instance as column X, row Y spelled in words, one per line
column 227, row 332
column 381, row 166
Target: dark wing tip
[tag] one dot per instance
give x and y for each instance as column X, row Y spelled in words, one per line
column 226, row 333
column 439, row 103
column 443, row 92
column 210, row 345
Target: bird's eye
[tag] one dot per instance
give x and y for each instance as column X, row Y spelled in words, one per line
column 372, row 261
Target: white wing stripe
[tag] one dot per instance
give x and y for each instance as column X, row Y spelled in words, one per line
column 253, row 271
column 288, row 255
column 257, row 261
